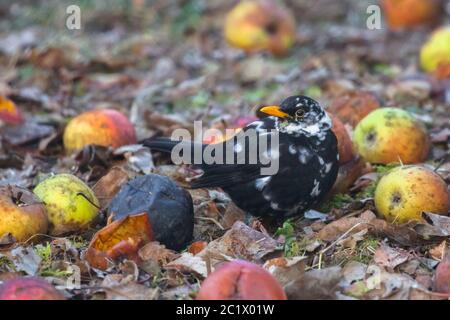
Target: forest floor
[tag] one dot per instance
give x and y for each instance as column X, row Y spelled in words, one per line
column 167, row 65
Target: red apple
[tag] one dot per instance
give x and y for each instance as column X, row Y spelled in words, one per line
column 240, row 280
column 29, row 289
column 105, row 127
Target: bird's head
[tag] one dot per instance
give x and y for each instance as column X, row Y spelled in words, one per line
column 299, row 115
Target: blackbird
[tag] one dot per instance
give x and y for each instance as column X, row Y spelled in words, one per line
column 306, row 153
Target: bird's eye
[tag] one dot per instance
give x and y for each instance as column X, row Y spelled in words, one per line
column 299, row 114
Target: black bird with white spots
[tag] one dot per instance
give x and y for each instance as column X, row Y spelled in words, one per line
column 307, row 155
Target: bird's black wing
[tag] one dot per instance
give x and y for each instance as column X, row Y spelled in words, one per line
column 245, row 145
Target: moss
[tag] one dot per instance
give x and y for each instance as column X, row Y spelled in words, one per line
column 44, row 251
column 336, row 202
column 366, row 249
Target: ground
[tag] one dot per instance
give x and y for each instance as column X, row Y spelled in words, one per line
column 167, row 64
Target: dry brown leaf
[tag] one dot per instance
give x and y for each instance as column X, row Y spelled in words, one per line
column 390, row 258
column 286, row 270
column 107, row 187
column 335, row 229
column 241, row 242
column 315, row 284
column 158, row 252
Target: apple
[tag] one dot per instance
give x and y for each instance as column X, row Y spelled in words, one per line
column 436, row 51
column 9, row 112
column 353, row 106
column 345, row 145
column 221, row 132
column 442, row 277
column 71, row 204
column 390, row 135
column 105, row 127
column 262, row 25
column 22, row 214
column 240, row 280
column 402, row 14
column 32, row 288
column 407, row 191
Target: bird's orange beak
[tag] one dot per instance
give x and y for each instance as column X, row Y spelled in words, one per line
column 274, row 111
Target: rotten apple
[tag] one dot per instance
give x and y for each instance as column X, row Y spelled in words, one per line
column 168, row 206
column 22, row 214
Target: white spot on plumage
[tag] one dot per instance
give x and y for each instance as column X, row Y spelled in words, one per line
column 292, row 149
column 261, row 183
column 304, row 154
column 316, row 190
column 275, row 206
column 237, row 148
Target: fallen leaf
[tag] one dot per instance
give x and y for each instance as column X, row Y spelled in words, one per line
column 188, row 263
column 158, row 252
column 25, row 259
column 286, row 270
column 106, row 188
column 335, row 229
column 434, row 226
column 388, row 257
column 241, row 242
column 315, row 284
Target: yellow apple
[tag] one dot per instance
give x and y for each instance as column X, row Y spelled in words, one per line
column 22, row 214
column 407, row 191
column 71, row 204
column 262, row 25
column 436, row 51
column 389, row 135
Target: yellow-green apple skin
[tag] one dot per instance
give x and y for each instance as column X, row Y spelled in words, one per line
column 436, row 51
column 407, row 191
column 22, row 214
column 256, row 25
column 66, row 199
column 389, row 135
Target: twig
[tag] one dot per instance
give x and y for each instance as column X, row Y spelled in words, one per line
column 323, row 251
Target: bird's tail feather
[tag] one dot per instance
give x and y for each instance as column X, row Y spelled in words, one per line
column 160, row 144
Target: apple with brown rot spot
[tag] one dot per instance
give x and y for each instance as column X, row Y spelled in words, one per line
column 389, row 135
column 407, row 191
column 71, row 204
column 260, row 25
column 22, row 214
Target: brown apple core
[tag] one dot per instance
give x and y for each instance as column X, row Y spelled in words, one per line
column 396, row 199
column 271, row 28
column 371, row 137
